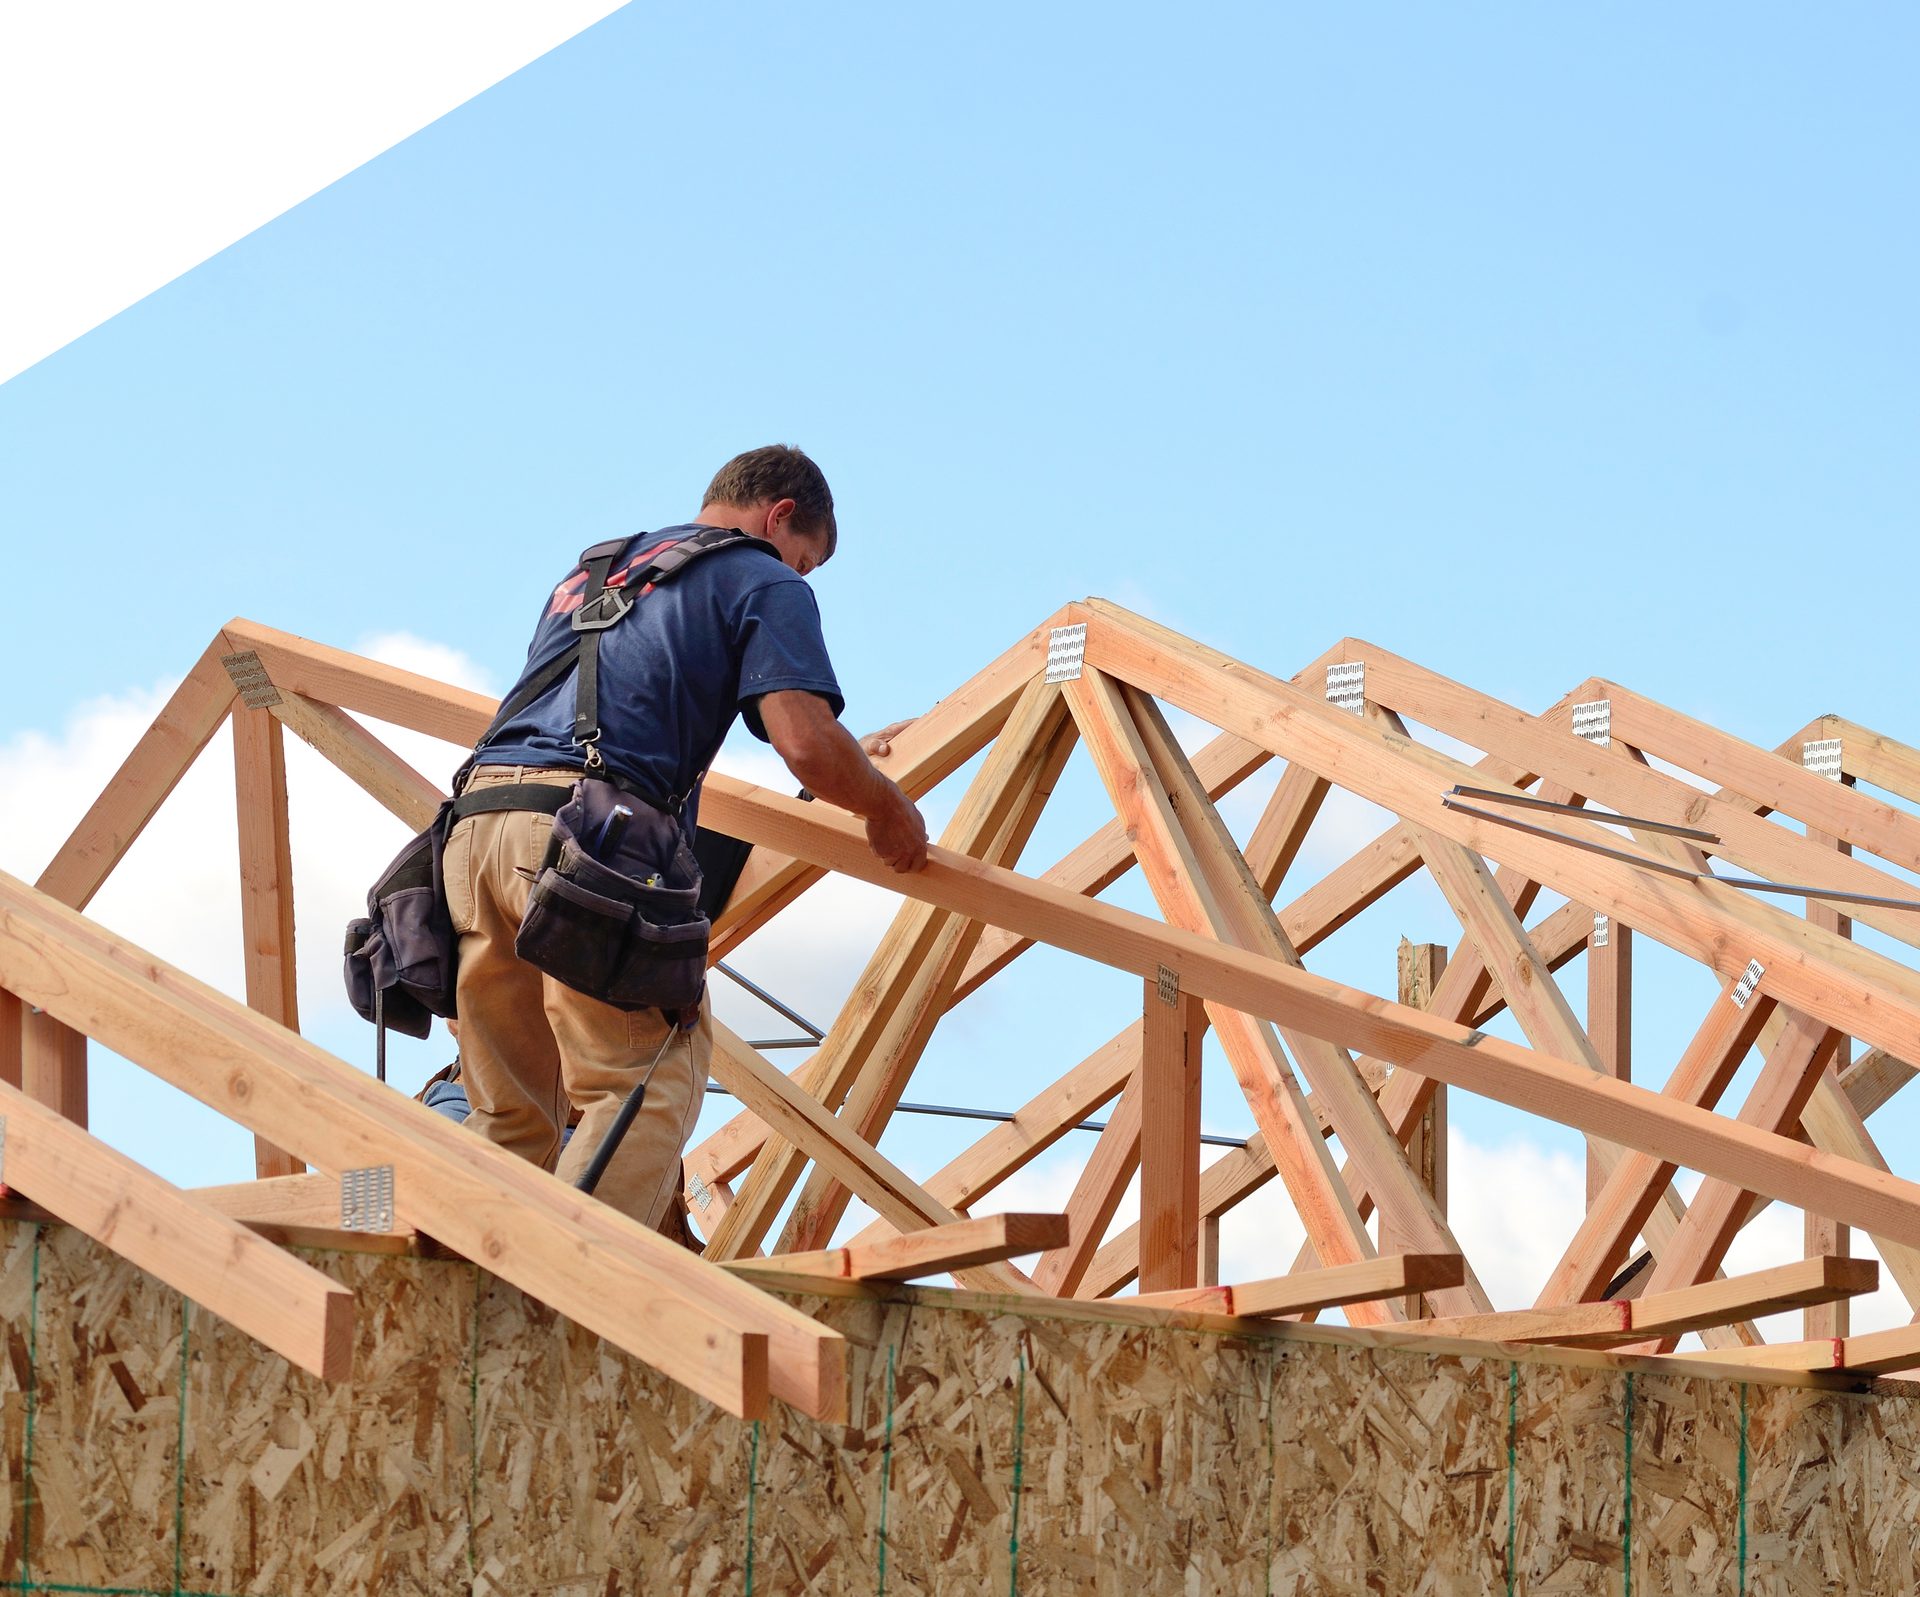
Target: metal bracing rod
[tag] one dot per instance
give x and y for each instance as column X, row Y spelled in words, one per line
column 1529, row 802
column 1003, row 1115
column 814, row 1033
column 1643, row 863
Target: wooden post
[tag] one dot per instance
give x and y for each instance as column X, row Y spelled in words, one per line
column 1421, row 967
column 1173, row 1024
column 53, row 1064
column 266, row 889
column 1210, row 1250
column 1825, row 1237
column 12, row 1018
column 1609, row 1014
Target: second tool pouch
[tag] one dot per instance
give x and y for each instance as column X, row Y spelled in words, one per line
column 618, row 920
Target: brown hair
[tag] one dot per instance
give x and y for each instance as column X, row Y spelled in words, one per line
column 779, row 471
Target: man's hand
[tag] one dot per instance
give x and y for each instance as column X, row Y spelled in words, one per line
column 831, row 765
column 878, row 745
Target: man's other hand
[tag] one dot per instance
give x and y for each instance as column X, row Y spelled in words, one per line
column 878, row 745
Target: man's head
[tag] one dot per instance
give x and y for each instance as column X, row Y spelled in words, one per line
column 776, row 493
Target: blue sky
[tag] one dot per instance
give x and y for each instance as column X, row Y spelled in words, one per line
column 1529, row 345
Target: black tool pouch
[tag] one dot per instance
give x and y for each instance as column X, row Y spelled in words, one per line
column 626, row 930
column 403, row 956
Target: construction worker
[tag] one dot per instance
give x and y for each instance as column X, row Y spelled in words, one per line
column 734, row 632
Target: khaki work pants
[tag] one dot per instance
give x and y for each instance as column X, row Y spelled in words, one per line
column 532, row 1050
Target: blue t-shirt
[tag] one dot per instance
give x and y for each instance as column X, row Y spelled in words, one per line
column 732, row 626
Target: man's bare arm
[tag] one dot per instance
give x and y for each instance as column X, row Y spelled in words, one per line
column 831, row 765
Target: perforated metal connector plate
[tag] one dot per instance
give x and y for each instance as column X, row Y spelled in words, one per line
column 702, row 1193
column 256, row 688
column 1169, row 986
column 366, row 1199
column 1066, row 652
column 1347, row 686
column 1601, row 927
column 1594, row 721
column 1748, row 983
column 1822, row 758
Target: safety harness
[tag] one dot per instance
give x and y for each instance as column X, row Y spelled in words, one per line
column 602, row 607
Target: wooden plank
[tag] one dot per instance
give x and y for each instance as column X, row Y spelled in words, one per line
column 1822, row 1237
column 1778, row 783
column 310, row 1199
column 923, row 754
column 591, row 1263
column 1825, row 1355
column 1172, row 1026
column 905, row 976
column 1630, row 1193
column 1832, row 1122
column 401, row 790
column 289, row 1306
column 911, row 1255
column 266, row 890
column 13, row 1017
column 1421, row 968
column 120, row 814
column 1410, row 1212
column 800, row 1120
column 1786, row 1082
column 1610, row 1016
column 1099, row 862
column 1553, row 1088
column 1278, row 836
column 1859, row 993
column 1874, row 1078
column 1872, row 757
column 1617, row 776
column 993, row 823
column 1669, row 1315
column 1035, row 1127
column 53, row 1064
column 1096, row 1194
column 1185, row 895
column 362, row 686
column 1390, row 1275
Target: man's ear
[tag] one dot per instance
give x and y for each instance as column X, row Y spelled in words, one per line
column 779, row 514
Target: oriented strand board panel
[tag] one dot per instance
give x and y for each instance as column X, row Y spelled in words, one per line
column 486, row 1446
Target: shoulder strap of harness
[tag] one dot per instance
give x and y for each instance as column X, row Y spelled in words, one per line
column 602, row 608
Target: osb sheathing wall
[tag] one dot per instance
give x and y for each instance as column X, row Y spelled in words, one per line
column 485, row 1445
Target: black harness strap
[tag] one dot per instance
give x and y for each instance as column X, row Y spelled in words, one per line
column 548, row 798
column 602, row 608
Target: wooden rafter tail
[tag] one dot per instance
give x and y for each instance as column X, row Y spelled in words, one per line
column 925, row 754
column 1185, row 895
column 993, row 823
column 598, row 1267
column 899, row 975
column 1475, row 1062
column 184, row 726
column 173, row 1235
column 1666, row 1316
column 805, row 1125
column 1859, row 992
column 1389, row 1276
column 1872, row 1353
column 957, row 1247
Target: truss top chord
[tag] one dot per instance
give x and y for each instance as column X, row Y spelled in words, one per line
column 1529, row 802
